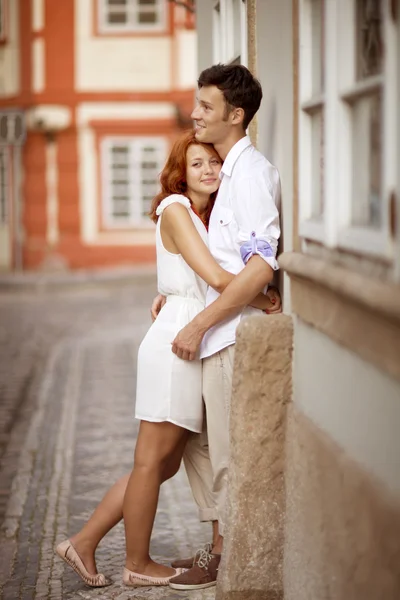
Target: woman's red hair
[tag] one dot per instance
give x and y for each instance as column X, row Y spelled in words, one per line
column 173, row 176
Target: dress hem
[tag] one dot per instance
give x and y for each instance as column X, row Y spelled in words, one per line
column 168, row 421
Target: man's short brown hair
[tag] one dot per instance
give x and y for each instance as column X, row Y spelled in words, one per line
column 239, row 87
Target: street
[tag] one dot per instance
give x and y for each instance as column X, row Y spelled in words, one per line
column 67, row 432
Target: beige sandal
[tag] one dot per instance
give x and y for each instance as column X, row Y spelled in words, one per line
column 67, row 552
column 138, row 579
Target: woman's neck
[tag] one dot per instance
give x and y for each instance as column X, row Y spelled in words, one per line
column 199, row 201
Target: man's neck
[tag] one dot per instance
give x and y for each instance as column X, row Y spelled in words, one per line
column 224, row 147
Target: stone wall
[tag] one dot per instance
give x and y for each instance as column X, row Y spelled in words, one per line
column 343, row 526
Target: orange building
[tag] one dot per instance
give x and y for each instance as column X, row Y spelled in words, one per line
column 102, row 88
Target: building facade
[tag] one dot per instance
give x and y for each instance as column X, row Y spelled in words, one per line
column 102, row 88
column 330, row 122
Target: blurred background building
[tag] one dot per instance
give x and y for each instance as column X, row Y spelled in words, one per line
column 92, row 93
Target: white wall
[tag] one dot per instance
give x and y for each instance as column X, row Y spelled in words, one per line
column 275, row 118
column 186, row 56
column 351, row 400
column 119, row 63
column 10, row 54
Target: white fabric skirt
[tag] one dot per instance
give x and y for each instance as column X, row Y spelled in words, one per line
column 169, row 388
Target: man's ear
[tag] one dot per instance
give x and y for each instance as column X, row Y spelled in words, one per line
column 237, row 116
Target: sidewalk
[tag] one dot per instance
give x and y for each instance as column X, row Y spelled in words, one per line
column 79, row 441
column 47, row 281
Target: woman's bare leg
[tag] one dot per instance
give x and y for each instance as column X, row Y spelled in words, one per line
column 156, row 443
column 109, row 512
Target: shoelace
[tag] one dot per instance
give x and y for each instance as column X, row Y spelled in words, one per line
column 203, row 557
column 207, row 548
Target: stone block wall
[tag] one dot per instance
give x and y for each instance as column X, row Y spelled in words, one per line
column 252, row 562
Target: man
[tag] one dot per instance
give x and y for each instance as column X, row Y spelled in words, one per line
column 243, row 238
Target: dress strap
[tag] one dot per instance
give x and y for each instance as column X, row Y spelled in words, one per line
column 170, row 200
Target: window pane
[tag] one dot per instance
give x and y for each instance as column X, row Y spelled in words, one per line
column 147, row 2
column 150, row 169
column 367, row 166
column 120, row 153
column 147, row 17
column 236, row 28
column 120, row 184
column 121, row 3
column 117, row 18
column 318, row 45
column 369, row 38
column 18, row 127
column 120, row 207
column 3, row 187
column 120, row 188
column 217, row 38
column 4, row 127
column 1, row 19
column 317, row 129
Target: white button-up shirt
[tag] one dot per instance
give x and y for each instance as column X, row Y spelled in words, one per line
column 245, row 209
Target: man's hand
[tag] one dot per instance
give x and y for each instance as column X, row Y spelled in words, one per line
column 157, row 305
column 187, row 342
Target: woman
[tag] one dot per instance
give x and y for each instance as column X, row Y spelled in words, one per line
column 169, row 405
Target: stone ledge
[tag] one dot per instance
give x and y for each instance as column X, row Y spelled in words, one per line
column 360, row 314
column 377, row 296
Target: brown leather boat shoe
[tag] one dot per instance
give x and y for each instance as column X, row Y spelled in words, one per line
column 202, row 575
column 187, row 563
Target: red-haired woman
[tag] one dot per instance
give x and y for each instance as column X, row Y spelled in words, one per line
column 168, row 397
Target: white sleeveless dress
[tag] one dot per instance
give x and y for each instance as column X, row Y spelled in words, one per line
column 169, row 388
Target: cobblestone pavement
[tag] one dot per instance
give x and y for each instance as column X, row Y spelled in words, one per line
column 67, row 382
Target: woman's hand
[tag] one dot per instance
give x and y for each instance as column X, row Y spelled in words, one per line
column 157, row 305
column 274, row 301
column 270, row 302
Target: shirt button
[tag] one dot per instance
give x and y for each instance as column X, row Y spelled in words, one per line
column 221, row 221
column 253, row 234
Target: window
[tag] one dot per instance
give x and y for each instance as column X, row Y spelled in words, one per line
column 230, row 31
column 365, row 114
column 348, row 112
column 217, row 37
column 3, row 186
column 12, row 127
column 2, row 20
column 131, row 15
column 312, row 115
column 131, row 168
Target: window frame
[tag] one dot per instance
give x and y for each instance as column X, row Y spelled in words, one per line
column 136, row 143
column 309, row 102
column 224, row 27
column 4, row 21
column 335, row 228
column 105, row 28
column 4, row 187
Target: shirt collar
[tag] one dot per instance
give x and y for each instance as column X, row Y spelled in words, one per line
column 233, row 155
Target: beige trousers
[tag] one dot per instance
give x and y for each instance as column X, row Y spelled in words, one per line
column 207, row 454
column 197, row 463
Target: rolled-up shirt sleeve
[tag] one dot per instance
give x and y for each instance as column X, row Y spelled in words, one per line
column 255, row 204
